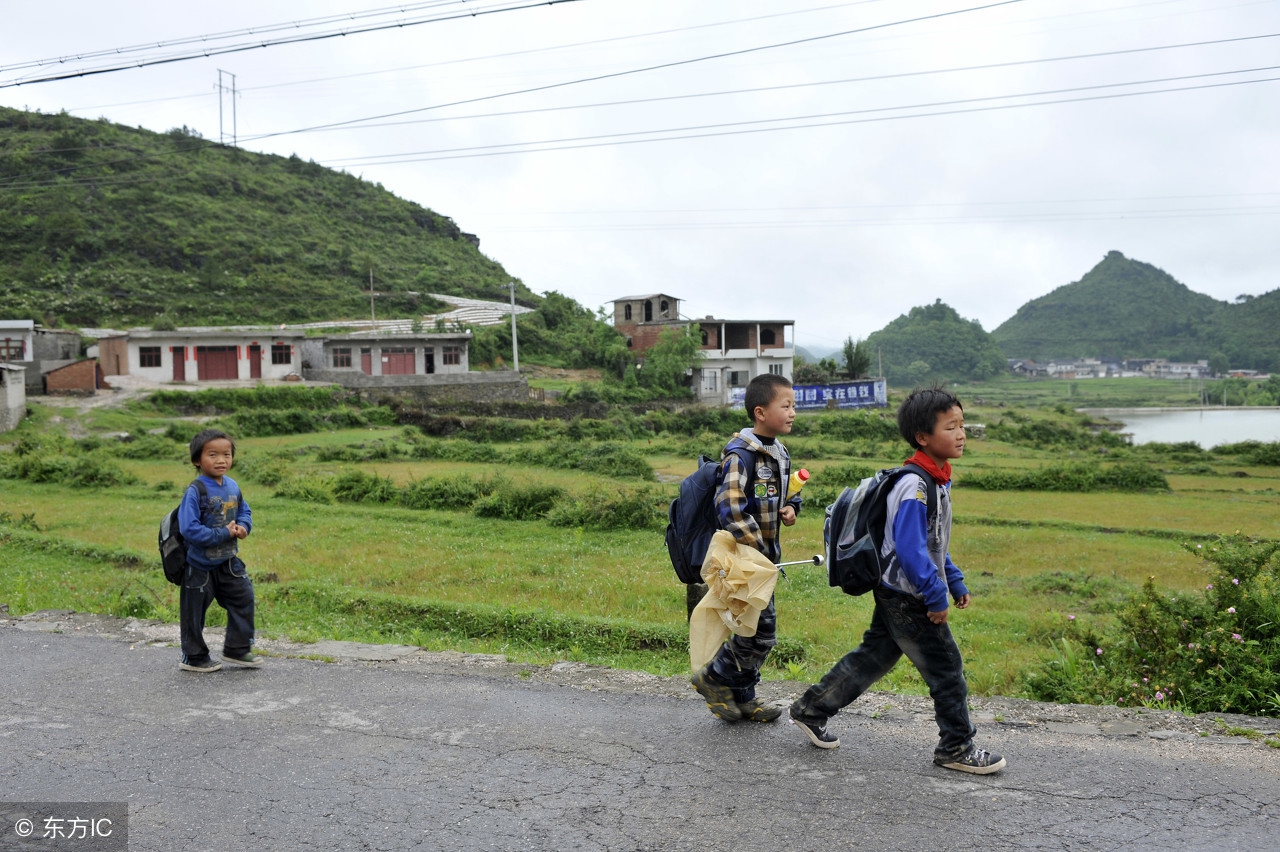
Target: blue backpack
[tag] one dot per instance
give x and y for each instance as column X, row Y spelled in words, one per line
column 173, row 548
column 853, row 533
column 691, row 517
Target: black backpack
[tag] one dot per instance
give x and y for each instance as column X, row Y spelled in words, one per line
column 691, row 517
column 173, row 549
column 853, row 532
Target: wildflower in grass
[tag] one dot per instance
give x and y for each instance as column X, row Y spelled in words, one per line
column 1231, row 610
column 1099, row 652
column 1071, row 618
column 1159, row 695
column 1144, row 680
column 1235, row 581
column 1209, row 587
column 1237, row 637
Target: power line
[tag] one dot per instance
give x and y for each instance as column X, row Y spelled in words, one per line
column 623, row 138
column 240, row 48
column 740, row 128
column 491, row 56
column 208, row 37
column 790, row 86
column 662, row 66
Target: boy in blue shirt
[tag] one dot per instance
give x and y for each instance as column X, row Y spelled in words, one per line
column 753, row 504
column 213, row 517
column 910, row 614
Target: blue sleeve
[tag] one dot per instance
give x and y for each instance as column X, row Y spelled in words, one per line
column 244, row 515
column 910, row 539
column 192, row 526
column 955, row 579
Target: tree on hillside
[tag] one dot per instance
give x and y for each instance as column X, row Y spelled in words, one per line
column 668, row 361
column 934, row 343
column 857, row 358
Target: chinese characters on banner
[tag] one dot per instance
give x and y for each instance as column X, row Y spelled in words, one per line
column 867, row 393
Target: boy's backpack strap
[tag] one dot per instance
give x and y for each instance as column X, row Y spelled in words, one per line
column 202, row 492
column 930, row 492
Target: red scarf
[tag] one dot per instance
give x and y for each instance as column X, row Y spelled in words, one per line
column 941, row 474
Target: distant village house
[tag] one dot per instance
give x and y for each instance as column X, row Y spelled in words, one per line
column 734, row 351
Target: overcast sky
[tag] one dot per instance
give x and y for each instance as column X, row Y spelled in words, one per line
column 833, row 163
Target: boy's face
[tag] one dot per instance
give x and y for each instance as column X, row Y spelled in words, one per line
column 776, row 418
column 216, row 458
column 946, row 441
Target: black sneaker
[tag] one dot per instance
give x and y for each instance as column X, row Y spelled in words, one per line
column 203, row 667
column 817, row 734
column 719, row 698
column 755, row 711
column 246, row 659
column 976, row 760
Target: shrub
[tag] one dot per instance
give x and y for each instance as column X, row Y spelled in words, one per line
column 84, row 471
column 606, row 510
column 439, row 492
column 308, row 489
column 511, row 502
column 1127, row 476
column 359, row 487
column 1216, row 651
column 152, row 447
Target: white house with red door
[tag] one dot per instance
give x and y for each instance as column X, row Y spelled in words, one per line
column 387, row 354
column 188, row 355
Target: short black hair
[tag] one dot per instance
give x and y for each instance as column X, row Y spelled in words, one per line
column 761, row 390
column 919, row 411
column 202, row 438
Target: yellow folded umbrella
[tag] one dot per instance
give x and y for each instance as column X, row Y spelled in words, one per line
column 740, row 582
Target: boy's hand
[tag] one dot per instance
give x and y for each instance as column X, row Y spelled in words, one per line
column 962, row 601
column 788, row 515
column 939, row 617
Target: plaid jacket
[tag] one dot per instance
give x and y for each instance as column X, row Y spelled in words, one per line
column 752, row 493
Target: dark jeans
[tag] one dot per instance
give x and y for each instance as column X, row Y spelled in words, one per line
column 899, row 626
column 737, row 664
column 229, row 585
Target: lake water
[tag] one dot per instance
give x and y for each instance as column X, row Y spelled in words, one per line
column 1208, row 427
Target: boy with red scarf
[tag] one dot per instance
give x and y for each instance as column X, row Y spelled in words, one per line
column 911, row 602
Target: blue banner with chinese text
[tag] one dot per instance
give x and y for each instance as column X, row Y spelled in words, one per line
column 866, row 393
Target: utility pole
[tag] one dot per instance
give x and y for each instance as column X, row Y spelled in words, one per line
column 515, row 349
column 373, row 320
column 222, row 88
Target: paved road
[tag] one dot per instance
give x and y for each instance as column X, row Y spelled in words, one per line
column 445, row 752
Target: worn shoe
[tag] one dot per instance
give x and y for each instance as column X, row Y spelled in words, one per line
column 976, row 760
column 203, row 667
column 755, row 711
column 719, row 698
column 246, row 659
column 817, row 734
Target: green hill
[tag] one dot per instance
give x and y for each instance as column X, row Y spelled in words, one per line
column 935, row 343
column 102, row 224
column 1124, row 308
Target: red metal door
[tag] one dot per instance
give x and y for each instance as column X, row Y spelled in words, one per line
column 255, row 361
column 179, row 363
column 216, row 362
column 397, row 361
column 366, row 361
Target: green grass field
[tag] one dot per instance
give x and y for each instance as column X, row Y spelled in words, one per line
column 445, row 579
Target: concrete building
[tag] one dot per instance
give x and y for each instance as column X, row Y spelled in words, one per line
column 13, row 395
column 187, row 355
column 388, row 354
column 37, row 349
column 75, row 379
column 734, row 351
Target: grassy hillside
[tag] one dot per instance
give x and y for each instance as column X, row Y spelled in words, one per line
column 105, row 224
column 1124, row 308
